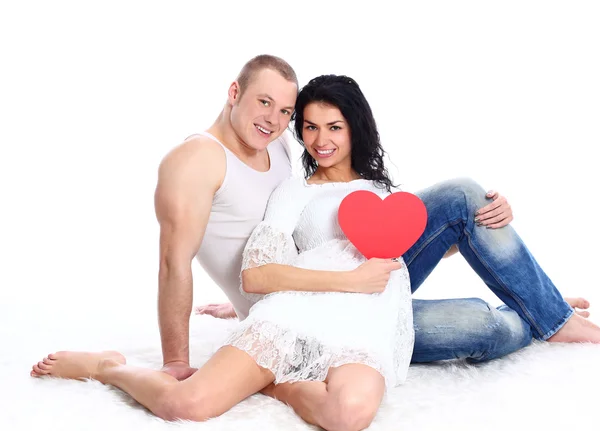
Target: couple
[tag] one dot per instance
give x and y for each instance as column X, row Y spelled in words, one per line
column 327, row 331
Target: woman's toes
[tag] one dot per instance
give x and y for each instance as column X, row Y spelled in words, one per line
column 38, row 370
column 43, row 366
column 49, row 361
column 585, row 314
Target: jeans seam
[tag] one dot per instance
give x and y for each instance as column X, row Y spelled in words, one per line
column 431, row 239
column 559, row 325
column 503, row 286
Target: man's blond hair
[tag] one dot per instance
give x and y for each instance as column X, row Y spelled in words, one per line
column 265, row 61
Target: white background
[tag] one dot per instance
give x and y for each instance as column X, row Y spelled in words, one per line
column 94, row 94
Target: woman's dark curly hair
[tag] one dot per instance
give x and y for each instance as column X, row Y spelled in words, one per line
column 344, row 93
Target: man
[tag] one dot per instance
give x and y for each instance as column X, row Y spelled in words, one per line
column 213, row 189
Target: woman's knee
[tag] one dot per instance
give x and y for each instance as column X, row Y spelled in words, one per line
column 175, row 404
column 455, row 191
column 351, row 410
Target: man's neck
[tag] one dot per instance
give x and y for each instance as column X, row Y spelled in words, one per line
column 224, row 132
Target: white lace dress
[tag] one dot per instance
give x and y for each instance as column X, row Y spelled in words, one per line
column 300, row 335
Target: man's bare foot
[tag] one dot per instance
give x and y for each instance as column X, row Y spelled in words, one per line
column 577, row 330
column 76, row 365
column 579, row 304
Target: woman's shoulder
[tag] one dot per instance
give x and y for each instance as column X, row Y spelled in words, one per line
column 290, row 185
column 289, row 192
column 287, row 200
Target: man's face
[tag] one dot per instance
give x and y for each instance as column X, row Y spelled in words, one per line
column 263, row 111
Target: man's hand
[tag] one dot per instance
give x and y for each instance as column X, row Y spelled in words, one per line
column 220, row 311
column 178, row 369
column 496, row 214
column 373, row 275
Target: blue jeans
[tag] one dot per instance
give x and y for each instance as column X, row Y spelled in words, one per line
column 469, row 328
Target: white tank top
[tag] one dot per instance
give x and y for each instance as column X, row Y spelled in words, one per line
column 238, row 207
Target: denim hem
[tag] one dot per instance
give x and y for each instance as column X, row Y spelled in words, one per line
column 559, row 325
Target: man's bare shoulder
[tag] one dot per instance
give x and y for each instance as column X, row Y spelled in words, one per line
column 196, row 149
column 197, row 159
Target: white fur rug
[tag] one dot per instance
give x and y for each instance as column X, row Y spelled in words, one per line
column 547, row 387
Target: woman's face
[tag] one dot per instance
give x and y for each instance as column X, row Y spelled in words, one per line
column 326, row 135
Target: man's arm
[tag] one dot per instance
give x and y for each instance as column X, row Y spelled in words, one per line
column 187, row 181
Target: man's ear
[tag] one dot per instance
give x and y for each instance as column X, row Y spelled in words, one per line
column 233, row 95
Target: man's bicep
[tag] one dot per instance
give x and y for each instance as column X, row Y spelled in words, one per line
column 183, row 201
column 183, row 221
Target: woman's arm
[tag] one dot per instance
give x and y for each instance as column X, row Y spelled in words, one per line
column 275, row 277
column 370, row 277
column 267, row 265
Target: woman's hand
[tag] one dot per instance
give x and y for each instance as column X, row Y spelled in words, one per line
column 496, row 214
column 373, row 275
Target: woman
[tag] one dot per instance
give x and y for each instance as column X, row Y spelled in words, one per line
column 344, row 360
column 367, row 343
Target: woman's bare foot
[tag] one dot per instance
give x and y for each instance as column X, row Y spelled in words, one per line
column 279, row 392
column 579, row 304
column 269, row 390
column 76, row 365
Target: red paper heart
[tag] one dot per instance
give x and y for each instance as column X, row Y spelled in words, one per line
column 382, row 228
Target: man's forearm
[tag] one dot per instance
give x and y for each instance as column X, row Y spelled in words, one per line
column 276, row 278
column 174, row 309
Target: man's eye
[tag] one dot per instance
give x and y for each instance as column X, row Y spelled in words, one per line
column 265, row 102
